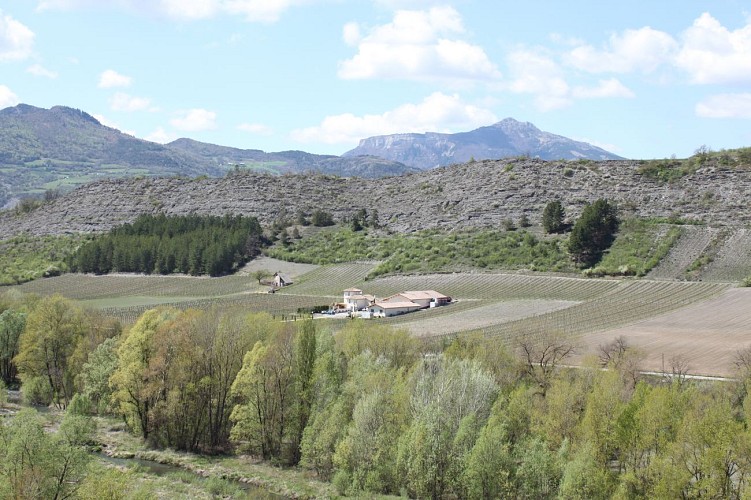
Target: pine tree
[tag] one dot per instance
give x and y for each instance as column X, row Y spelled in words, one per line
column 552, row 217
column 593, row 233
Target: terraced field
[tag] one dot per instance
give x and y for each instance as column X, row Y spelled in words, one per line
column 693, row 241
column 733, row 260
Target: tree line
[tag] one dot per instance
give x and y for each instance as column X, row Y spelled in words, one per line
column 377, row 411
column 159, row 244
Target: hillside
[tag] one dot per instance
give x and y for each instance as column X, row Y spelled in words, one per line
column 61, row 148
column 504, row 139
column 480, row 194
column 285, row 162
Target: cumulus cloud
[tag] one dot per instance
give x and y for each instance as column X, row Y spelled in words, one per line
column 16, row 40
column 255, row 128
column 39, row 70
column 536, row 73
column 111, row 78
column 711, row 53
column 7, row 97
column 416, row 45
column 124, row 102
column 161, row 136
column 606, row 88
column 436, row 113
column 642, row 50
column 195, row 120
column 725, row 106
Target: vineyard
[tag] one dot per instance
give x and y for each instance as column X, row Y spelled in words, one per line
column 706, row 335
column 733, row 259
column 628, row 303
column 692, row 243
column 504, row 307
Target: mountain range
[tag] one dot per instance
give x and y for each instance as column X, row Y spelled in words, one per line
column 61, row 148
column 504, row 139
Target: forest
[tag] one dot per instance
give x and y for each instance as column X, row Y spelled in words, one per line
column 189, row 244
column 369, row 408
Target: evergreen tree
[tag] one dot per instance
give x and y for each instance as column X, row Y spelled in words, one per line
column 552, row 217
column 593, row 232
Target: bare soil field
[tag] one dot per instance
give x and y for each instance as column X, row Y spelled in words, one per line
column 706, row 334
column 692, row 243
column 426, row 323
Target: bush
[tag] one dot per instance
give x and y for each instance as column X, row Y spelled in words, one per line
column 81, row 405
column 36, row 391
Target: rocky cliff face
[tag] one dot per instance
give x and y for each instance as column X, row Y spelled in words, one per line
column 479, row 194
column 505, row 139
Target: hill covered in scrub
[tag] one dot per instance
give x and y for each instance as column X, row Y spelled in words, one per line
column 478, row 194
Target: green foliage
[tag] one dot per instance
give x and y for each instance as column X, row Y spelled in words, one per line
column 37, row 464
column 430, row 250
column 593, row 232
column 321, row 218
column 159, row 244
column 12, row 323
column 553, row 216
column 639, row 246
column 25, row 258
column 53, row 331
column 666, row 170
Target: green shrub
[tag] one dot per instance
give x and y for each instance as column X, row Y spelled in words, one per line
column 36, row 391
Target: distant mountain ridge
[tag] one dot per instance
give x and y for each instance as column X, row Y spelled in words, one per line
column 507, row 138
column 62, row 147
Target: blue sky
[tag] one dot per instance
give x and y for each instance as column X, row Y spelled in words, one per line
column 643, row 79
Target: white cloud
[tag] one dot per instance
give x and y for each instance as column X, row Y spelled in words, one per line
column 111, row 78
column 189, row 9
column 7, row 97
column 195, row 120
column 713, row 54
column 255, row 128
column 161, row 136
column 538, row 74
column 436, row 113
column 266, row 11
column 16, row 40
column 416, row 45
column 725, row 106
column 643, row 50
column 606, row 88
column 39, row 70
column 124, row 102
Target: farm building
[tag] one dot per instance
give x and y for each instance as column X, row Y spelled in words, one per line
column 424, row 298
column 400, row 303
column 358, row 302
column 393, row 308
column 280, row 280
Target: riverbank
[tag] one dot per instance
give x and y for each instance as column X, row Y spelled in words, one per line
column 281, row 482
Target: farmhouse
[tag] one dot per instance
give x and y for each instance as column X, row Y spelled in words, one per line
column 358, row 302
column 280, row 280
column 401, row 303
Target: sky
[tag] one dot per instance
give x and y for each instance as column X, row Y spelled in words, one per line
column 642, row 79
